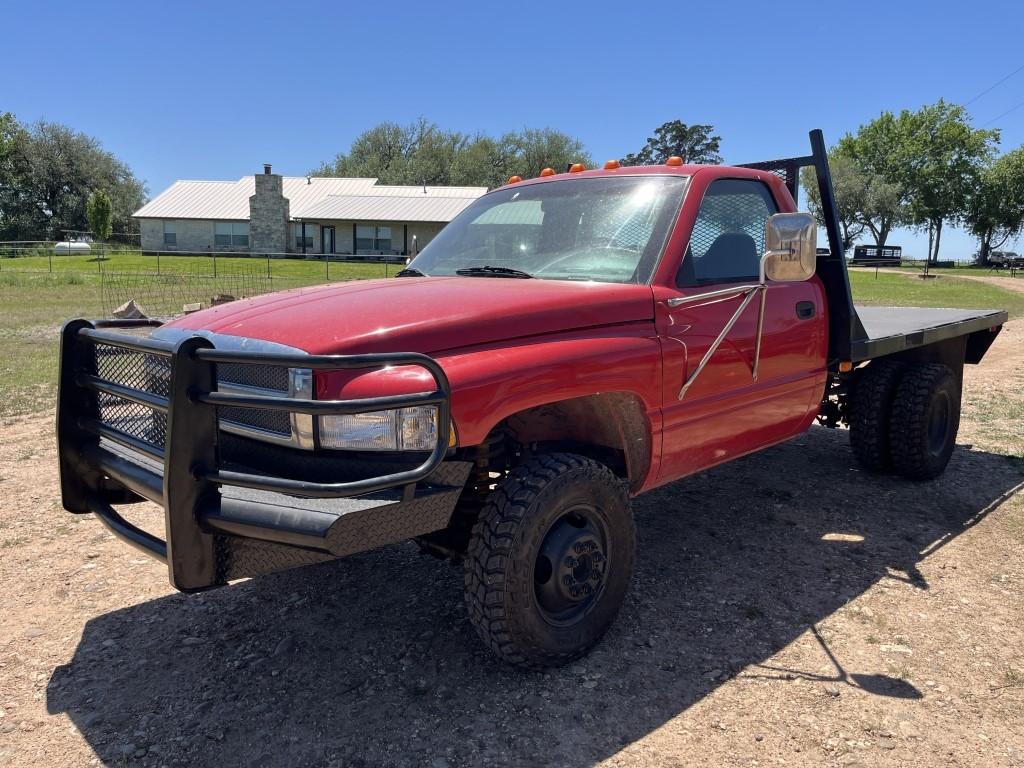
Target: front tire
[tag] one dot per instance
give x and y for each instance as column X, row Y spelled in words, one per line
column 550, row 560
column 925, row 420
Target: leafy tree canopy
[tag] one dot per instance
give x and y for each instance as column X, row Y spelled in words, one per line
column 423, row 153
column 995, row 211
column 47, row 173
column 924, row 166
column 693, row 143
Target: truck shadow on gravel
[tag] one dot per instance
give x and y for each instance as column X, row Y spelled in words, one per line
column 370, row 660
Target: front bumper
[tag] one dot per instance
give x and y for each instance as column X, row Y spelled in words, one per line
column 223, row 519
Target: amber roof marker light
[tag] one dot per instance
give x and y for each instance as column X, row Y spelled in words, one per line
column 514, row 179
column 611, row 165
column 674, row 160
column 548, row 172
column 577, row 168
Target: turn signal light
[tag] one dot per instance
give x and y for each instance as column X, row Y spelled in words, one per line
column 674, row 160
column 611, row 165
column 548, row 172
column 514, row 179
column 577, row 167
column 845, row 366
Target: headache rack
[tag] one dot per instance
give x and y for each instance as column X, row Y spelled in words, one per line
column 166, row 450
column 845, row 326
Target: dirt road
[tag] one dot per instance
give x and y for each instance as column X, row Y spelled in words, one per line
column 788, row 610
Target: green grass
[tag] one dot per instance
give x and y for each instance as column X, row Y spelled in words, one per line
column 309, row 271
column 900, row 290
column 34, row 305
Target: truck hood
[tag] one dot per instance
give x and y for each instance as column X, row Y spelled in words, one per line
column 422, row 314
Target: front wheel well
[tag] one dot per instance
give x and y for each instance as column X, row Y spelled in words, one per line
column 611, row 428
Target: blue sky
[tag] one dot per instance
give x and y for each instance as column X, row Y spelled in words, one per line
column 214, row 89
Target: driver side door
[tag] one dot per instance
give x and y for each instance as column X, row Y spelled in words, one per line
column 724, row 413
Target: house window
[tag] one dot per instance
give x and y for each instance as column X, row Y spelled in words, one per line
column 299, row 238
column 170, row 233
column 231, row 233
column 371, row 238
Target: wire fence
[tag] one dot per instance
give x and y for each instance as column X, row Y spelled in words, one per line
column 163, row 284
column 173, row 293
column 51, row 257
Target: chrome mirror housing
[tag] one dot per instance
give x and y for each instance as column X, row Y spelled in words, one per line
column 791, row 241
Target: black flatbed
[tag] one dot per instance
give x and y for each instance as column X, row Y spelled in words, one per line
column 889, row 330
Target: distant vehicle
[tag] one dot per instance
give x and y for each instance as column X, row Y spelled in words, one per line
column 886, row 256
column 1005, row 260
column 70, row 247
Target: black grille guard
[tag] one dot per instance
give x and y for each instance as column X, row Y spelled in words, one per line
column 94, row 477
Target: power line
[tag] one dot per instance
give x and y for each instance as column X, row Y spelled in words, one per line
column 991, row 87
column 1000, row 117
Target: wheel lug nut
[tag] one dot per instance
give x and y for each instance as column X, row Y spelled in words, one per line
column 571, row 562
column 568, row 580
column 578, row 548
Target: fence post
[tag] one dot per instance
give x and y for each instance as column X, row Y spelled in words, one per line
column 49, row 257
column 327, row 263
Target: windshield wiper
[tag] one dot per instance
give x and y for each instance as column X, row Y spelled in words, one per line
column 488, row 271
column 410, row 272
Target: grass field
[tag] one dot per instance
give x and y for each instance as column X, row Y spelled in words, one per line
column 901, row 290
column 310, row 270
column 33, row 306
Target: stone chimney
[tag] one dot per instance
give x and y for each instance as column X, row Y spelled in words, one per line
column 268, row 214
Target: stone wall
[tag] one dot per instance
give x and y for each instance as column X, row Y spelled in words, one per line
column 268, row 215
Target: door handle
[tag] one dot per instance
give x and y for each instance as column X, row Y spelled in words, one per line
column 805, row 310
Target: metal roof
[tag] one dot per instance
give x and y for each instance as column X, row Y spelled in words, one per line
column 389, row 207
column 229, row 200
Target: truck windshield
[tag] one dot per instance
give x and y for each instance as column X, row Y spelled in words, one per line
column 603, row 229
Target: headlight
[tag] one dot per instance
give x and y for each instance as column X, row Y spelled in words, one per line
column 402, row 429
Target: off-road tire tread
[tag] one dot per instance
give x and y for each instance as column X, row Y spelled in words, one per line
column 491, row 544
column 870, row 413
column 910, row 423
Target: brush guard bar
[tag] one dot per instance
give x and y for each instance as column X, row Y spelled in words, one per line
column 102, row 465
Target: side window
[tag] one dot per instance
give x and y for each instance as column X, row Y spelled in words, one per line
column 727, row 241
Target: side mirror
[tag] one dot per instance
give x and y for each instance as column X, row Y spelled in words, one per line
column 791, row 241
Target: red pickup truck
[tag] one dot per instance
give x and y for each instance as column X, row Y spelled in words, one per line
column 566, row 343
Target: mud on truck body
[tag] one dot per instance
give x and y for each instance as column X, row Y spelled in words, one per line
column 566, row 343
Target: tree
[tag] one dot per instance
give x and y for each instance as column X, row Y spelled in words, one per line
column 693, row 143
column 46, row 174
column 931, row 157
column 424, row 153
column 881, row 201
column 100, row 215
column 995, row 211
column 850, row 185
column 535, row 149
column 941, row 158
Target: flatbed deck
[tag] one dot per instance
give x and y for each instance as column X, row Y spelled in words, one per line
column 895, row 329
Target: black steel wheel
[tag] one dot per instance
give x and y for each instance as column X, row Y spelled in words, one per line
column 925, row 420
column 550, row 560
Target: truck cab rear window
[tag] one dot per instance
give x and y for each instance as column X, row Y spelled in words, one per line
column 727, row 241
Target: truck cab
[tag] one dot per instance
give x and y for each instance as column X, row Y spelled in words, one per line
column 566, row 343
